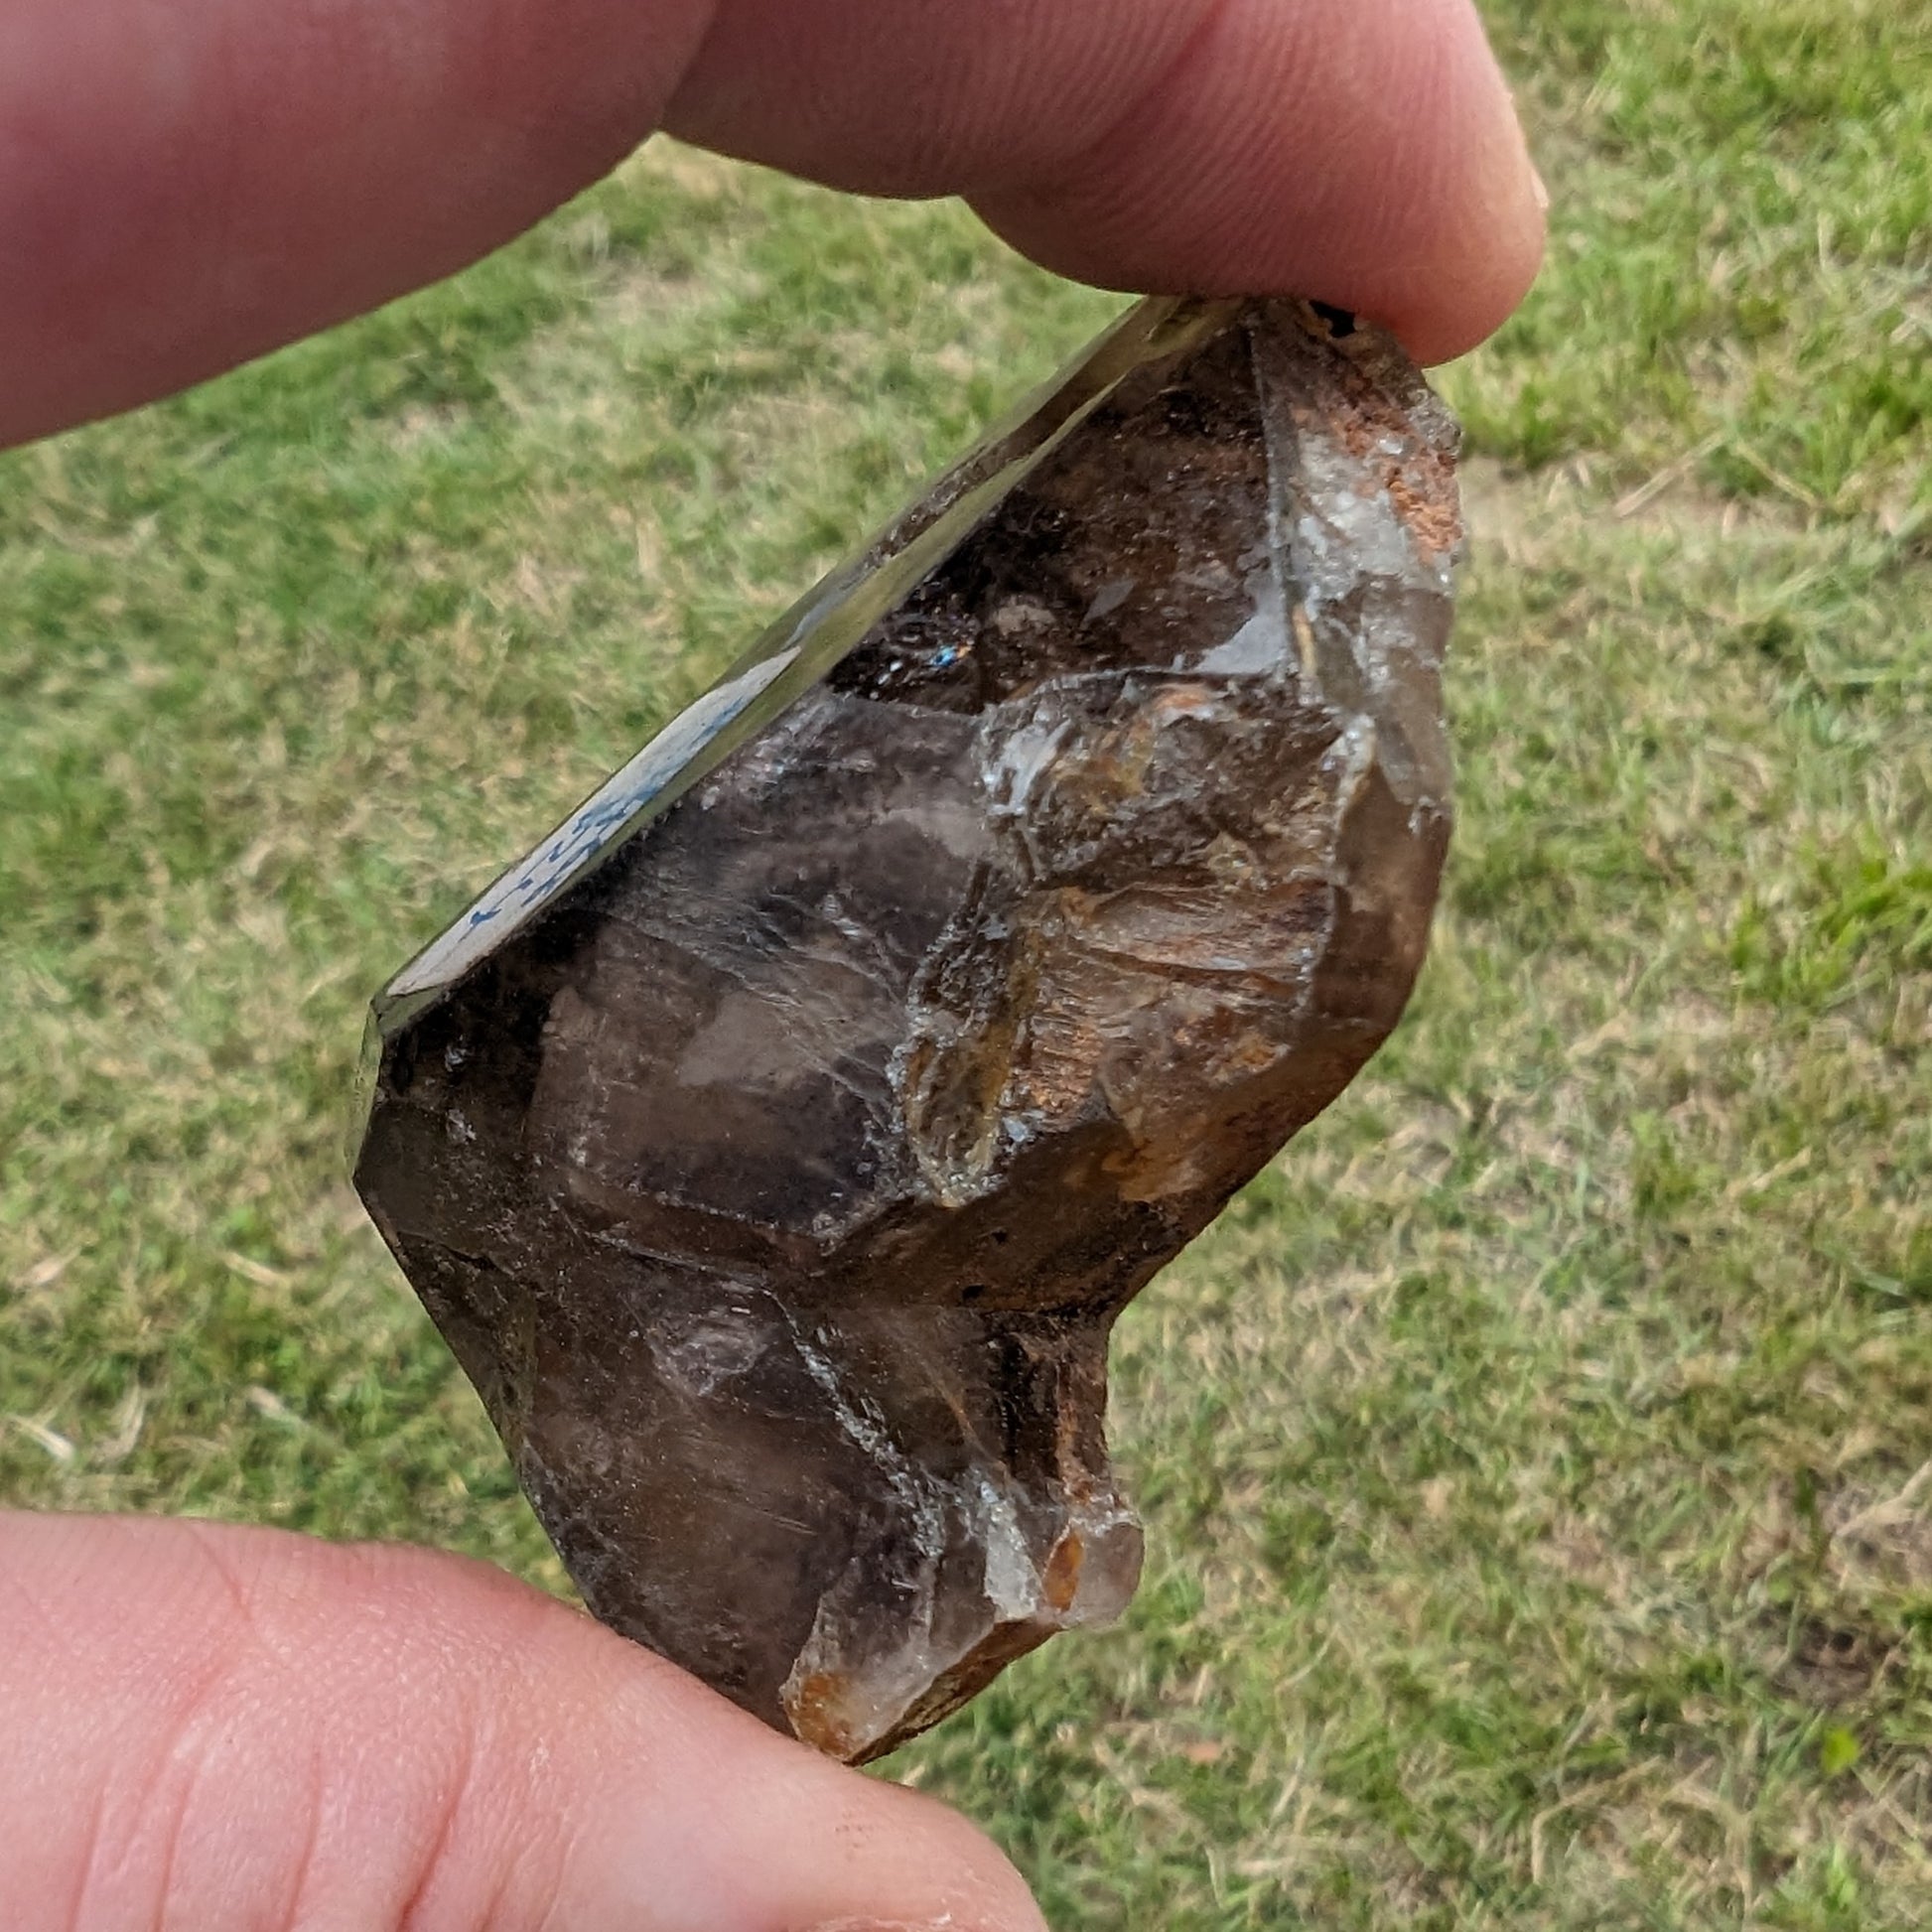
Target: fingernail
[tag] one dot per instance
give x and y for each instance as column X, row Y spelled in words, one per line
column 1539, row 188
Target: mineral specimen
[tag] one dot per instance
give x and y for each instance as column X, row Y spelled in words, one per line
column 777, row 1144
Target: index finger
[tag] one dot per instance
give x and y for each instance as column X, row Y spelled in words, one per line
column 185, row 185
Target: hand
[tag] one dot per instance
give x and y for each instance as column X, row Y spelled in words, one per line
column 183, row 187
column 221, row 1729
column 217, row 1729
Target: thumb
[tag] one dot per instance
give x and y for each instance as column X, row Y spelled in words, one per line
column 233, row 1729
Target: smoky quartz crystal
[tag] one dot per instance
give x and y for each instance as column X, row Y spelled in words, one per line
column 777, row 1144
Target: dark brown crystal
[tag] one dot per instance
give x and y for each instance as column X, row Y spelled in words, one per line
column 777, row 1146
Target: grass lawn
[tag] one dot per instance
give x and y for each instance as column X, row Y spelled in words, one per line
column 1538, row 1460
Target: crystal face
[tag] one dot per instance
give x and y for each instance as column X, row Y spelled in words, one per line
column 777, row 1144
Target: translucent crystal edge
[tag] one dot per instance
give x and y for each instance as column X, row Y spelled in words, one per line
column 792, row 654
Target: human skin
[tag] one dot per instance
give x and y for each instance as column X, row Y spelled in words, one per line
column 207, row 1728
column 185, row 184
